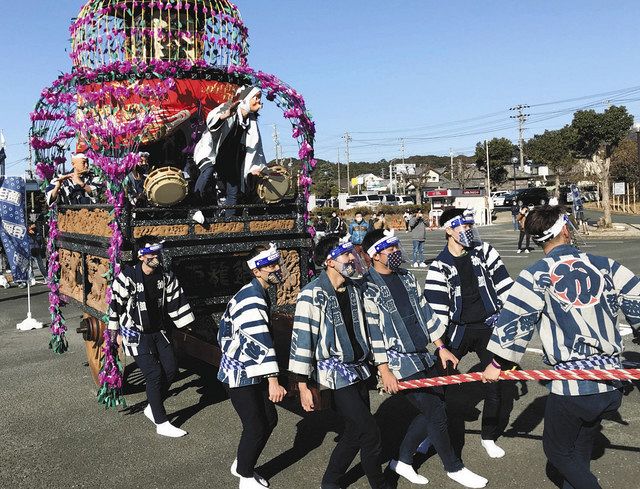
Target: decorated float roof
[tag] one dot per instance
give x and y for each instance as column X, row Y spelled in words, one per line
column 210, row 32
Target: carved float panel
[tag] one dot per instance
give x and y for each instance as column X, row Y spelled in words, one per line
column 272, row 225
column 96, row 282
column 85, row 221
column 287, row 292
column 71, row 278
column 161, row 230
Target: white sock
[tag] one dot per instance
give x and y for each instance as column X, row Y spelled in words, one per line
column 234, row 470
column 149, row 413
column 167, row 429
column 198, row 217
column 408, row 472
column 468, row 479
column 423, row 448
column 493, row 450
column 249, row 483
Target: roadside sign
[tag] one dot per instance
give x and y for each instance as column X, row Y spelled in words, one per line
column 619, row 188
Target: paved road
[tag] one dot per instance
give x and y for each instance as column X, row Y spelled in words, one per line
column 54, row 434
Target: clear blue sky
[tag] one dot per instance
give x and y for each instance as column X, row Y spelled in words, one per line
column 384, row 70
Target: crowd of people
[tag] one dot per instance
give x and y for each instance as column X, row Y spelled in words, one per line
column 356, row 320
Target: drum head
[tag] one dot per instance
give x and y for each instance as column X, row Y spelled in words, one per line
column 165, row 186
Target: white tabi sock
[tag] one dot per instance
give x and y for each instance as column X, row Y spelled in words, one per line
column 167, row 429
column 149, row 413
column 493, row 450
column 468, row 479
column 198, row 217
column 249, row 483
column 234, row 471
column 408, row 472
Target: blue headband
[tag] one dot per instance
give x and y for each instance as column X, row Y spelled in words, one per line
column 150, row 249
column 382, row 244
column 458, row 221
column 264, row 258
column 341, row 249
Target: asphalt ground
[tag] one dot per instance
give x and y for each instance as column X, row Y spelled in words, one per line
column 54, row 434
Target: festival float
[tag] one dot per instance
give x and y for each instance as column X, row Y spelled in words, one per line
column 145, row 74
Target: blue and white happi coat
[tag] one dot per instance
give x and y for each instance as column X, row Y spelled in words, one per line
column 574, row 300
column 128, row 308
column 320, row 346
column 245, row 339
column 443, row 289
column 391, row 335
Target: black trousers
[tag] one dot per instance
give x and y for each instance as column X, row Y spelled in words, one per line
column 570, row 426
column 259, row 417
column 521, row 237
column 157, row 363
column 361, row 433
column 476, row 340
column 431, row 421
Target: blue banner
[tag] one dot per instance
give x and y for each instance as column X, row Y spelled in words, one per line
column 13, row 229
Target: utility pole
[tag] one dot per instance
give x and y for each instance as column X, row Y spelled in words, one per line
column 521, row 117
column 338, row 171
column 347, row 140
column 276, row 140
column 487, row 195
column 451, row 156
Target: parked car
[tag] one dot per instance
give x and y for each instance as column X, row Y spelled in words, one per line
column 363, row 200
column 528, row 196
column 406, row 200
column 389, row 199
column 498, row 197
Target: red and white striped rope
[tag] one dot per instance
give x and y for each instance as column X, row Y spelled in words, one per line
column 617, row 374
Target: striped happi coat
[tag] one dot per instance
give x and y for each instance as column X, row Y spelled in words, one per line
column 444, row 292
column 128, row 308
column 245, row 338
column 391, row 335
column 69, row 193
column 574, row 300
column 319, row 334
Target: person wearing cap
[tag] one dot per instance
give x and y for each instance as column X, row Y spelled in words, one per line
column 144, row 298
column 248, row 367
column 78, row 187
column 408, row 325
column 467, row 285
column 330, row 348
column 575, row 301
column 231, row 146
column 134, row 183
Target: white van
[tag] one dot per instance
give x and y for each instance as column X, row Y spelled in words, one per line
column 363, row 200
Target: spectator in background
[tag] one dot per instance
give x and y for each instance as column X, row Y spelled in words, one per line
column 407, row 217
column 515, row 210
column 522, row 217
column 418, row 233
column 381, row 223
column 372, row 221
column 337, row 225
column 357, row 229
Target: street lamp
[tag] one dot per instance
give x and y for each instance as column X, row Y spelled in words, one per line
column 514, row 160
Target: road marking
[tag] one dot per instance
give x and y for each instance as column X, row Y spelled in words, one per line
column 535, row 350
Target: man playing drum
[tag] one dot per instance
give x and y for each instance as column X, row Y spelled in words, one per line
column 231, row 146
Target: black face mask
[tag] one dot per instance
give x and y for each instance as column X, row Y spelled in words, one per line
column 276, row 277
column 153, row 263
column 394, row 260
